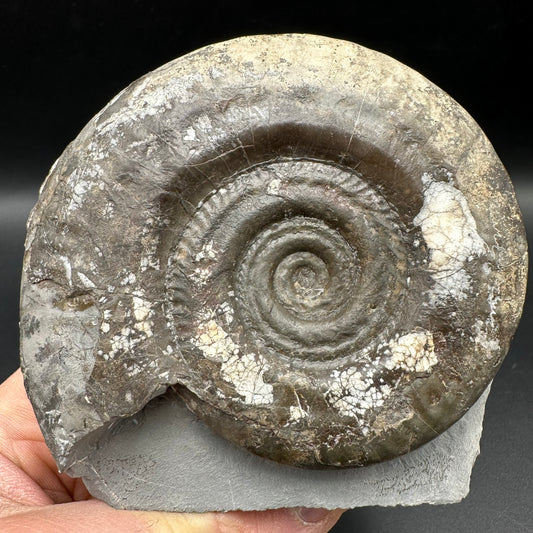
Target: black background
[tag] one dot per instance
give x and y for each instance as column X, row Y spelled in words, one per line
column 61, row 62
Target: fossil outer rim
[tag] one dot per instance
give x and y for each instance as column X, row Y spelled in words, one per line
column 106, row 316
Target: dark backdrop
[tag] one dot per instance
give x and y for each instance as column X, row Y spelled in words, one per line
column 61, row 62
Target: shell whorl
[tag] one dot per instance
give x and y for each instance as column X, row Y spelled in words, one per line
column 303, row 249
column 296, row 252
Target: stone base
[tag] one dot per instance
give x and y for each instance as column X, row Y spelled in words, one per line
column 164, row 458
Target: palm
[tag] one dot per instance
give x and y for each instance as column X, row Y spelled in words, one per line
column 34, row 496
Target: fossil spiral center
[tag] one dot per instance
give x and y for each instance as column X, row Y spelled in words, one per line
column 291, row 259
column 301, row 278
column 296, row 273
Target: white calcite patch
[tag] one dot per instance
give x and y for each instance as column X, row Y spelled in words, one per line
column 128, row 279
column 149, row 98
column 215, row 73
column 351, row 393
column 78, row 193
column 482, row 338
column 207, row 252
column 68, row 267
column 297, row 414
column 204, row 259
column 109, row 210
column 485, row 332
column 96, row 151
column 414, row 352
column 139, row 328
column 150, row 245
column 493, row 300
column 226, row 310
column 79, row 190
column 201, row 275
column 354, row 391
column 204, row 123
column 273, row 187
column 243, row 370
column 86, row 281
column 125, row 341
column 81, row 181
column 190, row 134
column 450, row 232
column 142, row 311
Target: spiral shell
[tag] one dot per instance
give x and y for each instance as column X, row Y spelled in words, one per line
column 314, row 245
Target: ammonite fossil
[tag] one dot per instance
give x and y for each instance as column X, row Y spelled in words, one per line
column 315, row 246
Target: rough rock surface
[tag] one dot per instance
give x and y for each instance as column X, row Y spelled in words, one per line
column 166, row 459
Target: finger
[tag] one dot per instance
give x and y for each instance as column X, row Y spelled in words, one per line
column 274, row 521
column 22, row 443
column 17, row 488
column 79, row 517
column 90, row 516
column 16, row 412
column 18, row 425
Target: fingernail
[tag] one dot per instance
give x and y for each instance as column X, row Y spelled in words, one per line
column 310, row 515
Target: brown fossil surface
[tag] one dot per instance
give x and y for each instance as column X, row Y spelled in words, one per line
column 313, row 245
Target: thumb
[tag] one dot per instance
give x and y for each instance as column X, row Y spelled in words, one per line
column 296, row 520
column 93, row 515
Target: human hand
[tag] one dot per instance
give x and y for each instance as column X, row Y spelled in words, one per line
column 34, row 496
